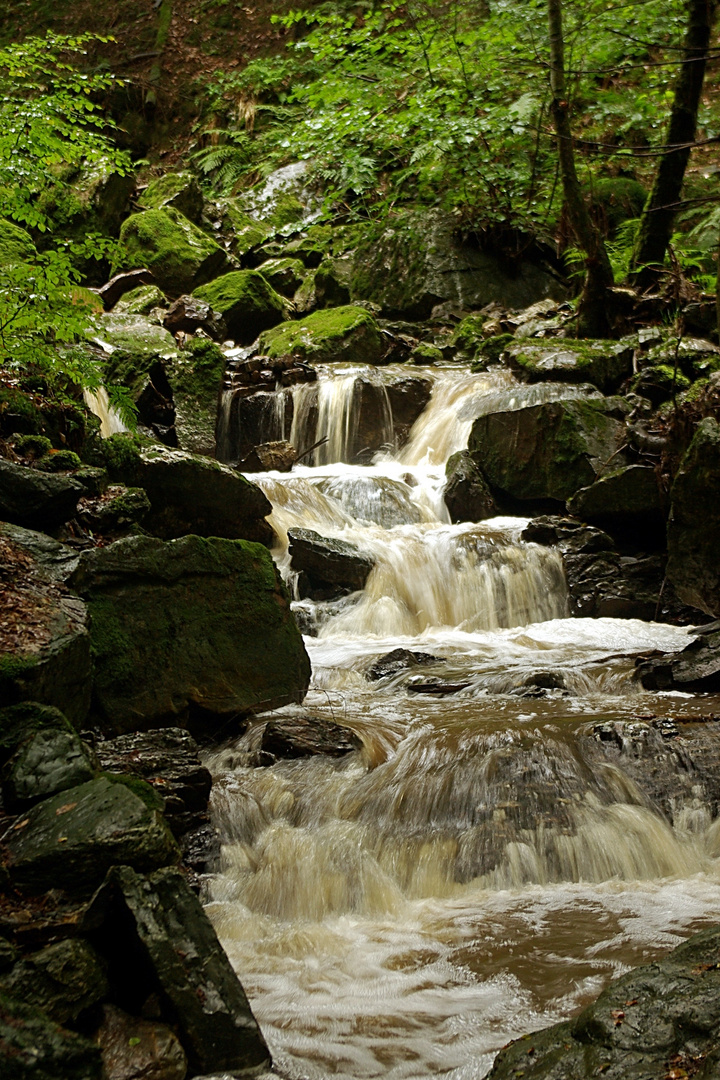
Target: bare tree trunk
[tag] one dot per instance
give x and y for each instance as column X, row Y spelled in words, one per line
column 593, row 318
column 658, row 213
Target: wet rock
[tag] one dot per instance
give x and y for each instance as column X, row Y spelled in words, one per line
column 657, row 1020
column 251, row 421
column 135, row 1049
column 179, row 254
column 33, row 1047
column 36, row 500
column 345, row 333
column 168, row 759
column 192, row 494
column 604, row 364
column 546, row 452
column 8, row 955
column 119, row 510
column 434, row 687
column 399, row 660
column 46, row 762
column 189, row 314
column 329, row 562
column 63, row 980
column 625, row 501
column 694, row 526
column 197, row 375
column 307, row 736
column 284, row 275
column 45, row 646
column 179, row 190
column 141, row 301
column 199, row 624
column 279, row 456
column 659, row 383
column 408, row 400
column 247, row 303
column 546, row 680
column 696, row 669
column 123, row 283
column 467, row 496
column 73, row 838
column 54, row 559
column 159, row 921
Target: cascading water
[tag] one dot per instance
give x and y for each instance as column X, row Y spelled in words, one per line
column 479, row 868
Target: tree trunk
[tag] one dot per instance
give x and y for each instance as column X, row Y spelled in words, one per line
column 658, row 213
column 593, row 318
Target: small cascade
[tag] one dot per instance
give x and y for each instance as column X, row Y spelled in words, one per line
column 98, row 403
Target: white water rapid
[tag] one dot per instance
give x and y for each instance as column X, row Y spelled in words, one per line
column 476, row 870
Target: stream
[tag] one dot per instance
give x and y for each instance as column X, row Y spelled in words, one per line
column 472, row 872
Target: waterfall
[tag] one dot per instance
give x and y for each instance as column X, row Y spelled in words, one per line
column 98, row 403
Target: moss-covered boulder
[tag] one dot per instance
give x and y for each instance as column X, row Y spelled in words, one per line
column 179, row 254
column 660, row 382
column 34, row 1047
column 179, row 190
column 242, row 233
column 246, row 301
column 284, row 275
column 694, row 527
column 72, row 839
column 197, row 376
column 16, row 246
column 34, row 499
column 624, row 501
column 468, row 336
column 546, row 451
column 63, row 979
column 140, row 301
column 604, row 364
column 347, row 333
column 118, row 511
column 195, row 622
column 94, row 198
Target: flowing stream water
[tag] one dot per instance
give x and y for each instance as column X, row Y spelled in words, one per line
column 472, row 872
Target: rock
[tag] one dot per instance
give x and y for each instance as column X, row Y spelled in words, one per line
column 604, row 364
column 194, row 622
column 33, row 1047
column 192, row 494
column 45, row 648
column 418, row 261
column 72, row 839
column 240, row 233
column 399, row 660
column 467, row 496
column 197, row 379
column 180, row 256
column 279, row 456
column 141, row 301
column 36, row 499
column 387, row 503
column 329, row 562
column 63, row 980
column 434, row 687
column 119, row 510
column 285, row 276
column 653, row 1016
column 247, row 303
column 624, row 501
column 159, row 920
column 189, row 314
column 135, row 1049
column 346, row 333
column 27, row 718
column 179, row 190
column 45, row 763
column 306, row 736
column 168, row 759
column 251, row 420
column 331, row 282
column 659, row 383
column 548, row 451
column 123, row 283
column 694, row 527
column 695, row 669
column 408, row 398
column 16, row 244
column 56, row 560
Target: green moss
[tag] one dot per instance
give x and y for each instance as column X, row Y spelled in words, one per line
column 141, row 301
column 32, row 446
column 61, row 461
column 285, row 275
column 121, row 455
column 246, row 301
column 199, row 369
column 144, row 791
column 287, row 210
column 16, row 403
column 426, row 354
column 15, row 667
column 111, row 645
column 468, row 335
column 492, row 348
column 180, row 190
column 348, row 333
column 180, row 255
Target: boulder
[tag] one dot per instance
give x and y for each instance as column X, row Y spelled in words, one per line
column 180, row 191
column 624, row 501
column 44, row 641
column 45, row 763
column 192, row 494
column 34, row 1047
column 695, row 669
column 197, row 375
column 399, row 660
column 604, row 364
column 159, row 920
column 35, row 499
column 549, row 451
column 417, row 260
column 179, row 254
column 387, row 503
column 63, row 979
column 647, row 1023
column 330, row 284
column 659, row 383
column 329, row 562
column 306, row 737
column 284, row 275
column 693, row 533
column 241, row 233
column 117, row 511
column 72, row 839
column 140, row 301
column 408, row 398
column 189, row 314
column 346, row 333
column 194, row 622
column 467, row 496
column 247, row 303
column 135, row 1049
column 278, row 456
column 120, row 284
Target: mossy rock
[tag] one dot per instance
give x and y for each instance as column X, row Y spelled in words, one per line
column 424, row 354
column 46, row 762
column 34, row 1047
column 32, row 447
column 468, row 336
column 140, row 301
column 604, row 364
column 284, row 275
column 179, row 190
column 16, row 245
column 201, row 621
column 243, row 232
column 63, row 979
column 347, row 333
column 197, row 378
column 91, row 199
column 22, row 721
column 314, row 244
column 624, row 502
column 60, row 461
column 19, row 412
column 660, row 383
column 120, row 455
column 179, row 254
column 247, row 302
column 694, row 525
